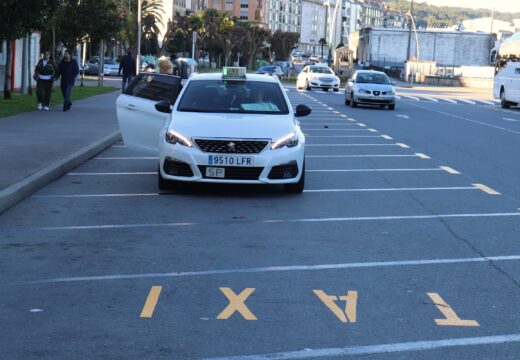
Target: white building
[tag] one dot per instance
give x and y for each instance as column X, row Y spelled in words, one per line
column 284, row 15
column 316, row 20
column 351, row 18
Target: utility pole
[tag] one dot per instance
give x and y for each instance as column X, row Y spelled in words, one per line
column 138, row 53
column 410, row 33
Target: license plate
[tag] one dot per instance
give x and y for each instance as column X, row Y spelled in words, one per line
column 227, row 160
column 215, row 172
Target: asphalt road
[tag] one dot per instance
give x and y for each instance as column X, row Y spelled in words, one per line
column 405, row 245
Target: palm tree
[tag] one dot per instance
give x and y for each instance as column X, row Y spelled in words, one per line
column 322, row 43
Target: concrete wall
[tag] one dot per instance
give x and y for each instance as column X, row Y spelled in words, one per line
column 450, row 48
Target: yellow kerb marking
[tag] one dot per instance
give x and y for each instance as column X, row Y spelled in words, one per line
column 422, row 156
column 386, row 137
column 236, row 303
column 151, row 302
column 451, row 318
column 486, row 189
column 404, row 146
column 450, row 170
column 349, row 315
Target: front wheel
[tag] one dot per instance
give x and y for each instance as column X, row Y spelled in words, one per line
column 307, row 86
column 352, row 102
column 391, row 107
column 336, row 90
column 503, row 102
column 296, row 188
column 163, row 184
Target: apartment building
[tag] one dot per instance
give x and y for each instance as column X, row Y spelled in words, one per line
column 284, row 15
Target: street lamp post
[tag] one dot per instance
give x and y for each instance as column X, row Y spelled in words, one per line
column 138, row 56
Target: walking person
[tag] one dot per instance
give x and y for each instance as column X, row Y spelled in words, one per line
column 127, row 65
column 68, row 70
column 44, row 76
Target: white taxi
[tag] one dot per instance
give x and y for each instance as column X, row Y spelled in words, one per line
column 317, row 76
column 221, row 128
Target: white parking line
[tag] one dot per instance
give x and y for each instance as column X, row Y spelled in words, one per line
column 127, row 158
column 448, row 100
column 467, row 101
column 372, row 130
column 485, row 102
column 430, row 98
column 509, row 119
column 94, row 195
column 357, row 156
column 410, row 97
column 422, row 156
column 449, row 170
column 342, row 136
column 379, row 349
column 386, row 137
column 111, row 173
column 340, row 266
column 394, row 189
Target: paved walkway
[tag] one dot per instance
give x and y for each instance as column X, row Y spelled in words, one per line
column 33, row 141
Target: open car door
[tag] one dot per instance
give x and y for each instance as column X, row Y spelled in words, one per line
column 140, row 123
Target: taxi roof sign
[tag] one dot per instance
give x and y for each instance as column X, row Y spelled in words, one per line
column 234, row 73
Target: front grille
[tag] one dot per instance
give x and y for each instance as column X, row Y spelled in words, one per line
column 232, row 146
column 324, row 79
column 177, row 168
column 236, row 172
column 375, row 101
column 285, row 171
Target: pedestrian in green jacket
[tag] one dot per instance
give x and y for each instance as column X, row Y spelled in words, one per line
column 44, row 74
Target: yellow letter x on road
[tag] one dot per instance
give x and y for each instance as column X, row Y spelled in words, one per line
column 237, row 303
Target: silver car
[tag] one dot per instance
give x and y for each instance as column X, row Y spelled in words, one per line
column 110, row 67
column 369, row 87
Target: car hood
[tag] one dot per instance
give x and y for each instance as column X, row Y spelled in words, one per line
column 325, row 76
column 374, row 87
column 253, row 126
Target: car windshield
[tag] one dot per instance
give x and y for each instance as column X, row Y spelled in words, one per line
column 227, row 96
column 367, row 78
column 320, row 70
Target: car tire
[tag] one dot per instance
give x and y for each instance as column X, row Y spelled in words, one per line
column 325, row 89
column 503, row 102
column 336, row 90
column 307, row 86
column 163, row 184
column 296, row 188
column 352, row 102
column 347, row 102
column 391, row 107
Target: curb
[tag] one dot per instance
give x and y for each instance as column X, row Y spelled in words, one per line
column 22, row 189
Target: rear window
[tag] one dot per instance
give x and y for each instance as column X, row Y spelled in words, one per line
column 226, row 96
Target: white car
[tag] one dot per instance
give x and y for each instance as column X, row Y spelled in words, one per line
column 370, row 87
column 315, row 76
column 221, row 128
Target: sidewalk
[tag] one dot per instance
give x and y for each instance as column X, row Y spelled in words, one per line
column 40, row 146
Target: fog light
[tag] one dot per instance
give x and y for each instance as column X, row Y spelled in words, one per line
column 288, row 174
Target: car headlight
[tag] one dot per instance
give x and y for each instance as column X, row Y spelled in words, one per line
column 289, row 140
column 390, row 92
column 173, row 137
column 362, row 91
column 336, row 79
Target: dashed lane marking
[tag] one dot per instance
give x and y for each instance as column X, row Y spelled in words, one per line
column 449, row 170
column 404, row 146
column 387, row 137
column 359, row 156
column 451, row 318
column 429, row 98
column 448, row 100
column 111, row 173
column 379, row 349
column 151, row 302
column 361, row 125
column 471, row 102
column 331, row 145
column 372, row 170
column 274, row 269
column 486, row 189
column 372, row 130
column 509, row 119
column 127, row 158
column 342, row 136
column 485, row 102
column 410, row 97
column 403, row 116
column 422, row 156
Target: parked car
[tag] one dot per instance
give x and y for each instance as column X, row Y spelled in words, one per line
column 370, row 87
column 111, row 67
column 271, row 70
column 317, row 77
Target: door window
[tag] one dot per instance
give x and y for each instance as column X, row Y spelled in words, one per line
column 155, row 87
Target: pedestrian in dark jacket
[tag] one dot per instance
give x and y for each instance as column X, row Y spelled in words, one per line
column 127, row 65
column 44, row 74
column 68, row 70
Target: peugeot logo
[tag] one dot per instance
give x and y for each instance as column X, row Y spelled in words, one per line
column 231, row 147
column 376, row 93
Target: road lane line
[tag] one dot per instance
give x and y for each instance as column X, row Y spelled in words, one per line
column 449, row 170
column 509, row 119
column 387, row 137
column 486, row 189
column 448, row 100
column 372, row 170
column 404, row 146
column 111, row 173
column 469, row 120
column 371, row 130
column 430, row 98
column 485, row 102
column 337, row 130
column 268, row 221
column 379, row 349
column 311, row 145
column 342, row 136
column 268, row 269
column 151, row 302
column 119, row 146
column 393, row 189
column 361, row 124
column 467, row 101
column 410, row 97
column 358, row 156
column 422, row 156
column 94, row 195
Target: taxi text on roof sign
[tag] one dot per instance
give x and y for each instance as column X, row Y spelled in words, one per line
column 233, row 72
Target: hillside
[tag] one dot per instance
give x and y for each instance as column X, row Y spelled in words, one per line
column 443, row 16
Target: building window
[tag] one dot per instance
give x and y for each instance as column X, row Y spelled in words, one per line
column 243, row 17
column 244, row 6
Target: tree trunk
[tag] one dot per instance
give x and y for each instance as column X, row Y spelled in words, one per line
column 7, row 78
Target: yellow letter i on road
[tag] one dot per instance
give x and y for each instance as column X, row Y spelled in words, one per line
column 349, row 315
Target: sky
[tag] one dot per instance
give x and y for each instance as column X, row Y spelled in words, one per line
column 500, row 5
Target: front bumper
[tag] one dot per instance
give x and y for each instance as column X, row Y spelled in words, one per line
column 193, row 161
column 316, row 83
column 370, row 99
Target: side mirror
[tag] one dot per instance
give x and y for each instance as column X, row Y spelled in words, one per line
column 163, row 106
column 302, row 110
column 352, row 81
